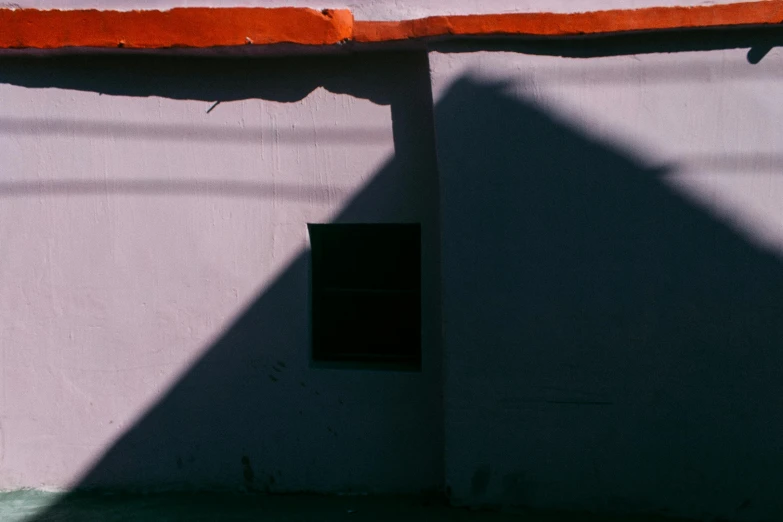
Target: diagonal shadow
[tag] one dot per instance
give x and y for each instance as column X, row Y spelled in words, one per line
column 635, row 338
column 251, row 408
column 566, row 265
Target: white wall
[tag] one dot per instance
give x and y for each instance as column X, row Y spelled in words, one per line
column 613, row 278
column 154, row 279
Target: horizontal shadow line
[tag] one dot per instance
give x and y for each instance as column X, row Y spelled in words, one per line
column 352, row 135
column 750, row 162
column 172, row 188
column 702, row 73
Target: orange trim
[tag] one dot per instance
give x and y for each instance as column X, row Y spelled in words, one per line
column 180, row 27
column 209, row 27
column 556, row 24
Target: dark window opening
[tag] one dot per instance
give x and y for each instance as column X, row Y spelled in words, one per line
column 366, row 293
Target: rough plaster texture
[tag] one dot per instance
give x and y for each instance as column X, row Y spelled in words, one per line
column 154, row 276
column 377, row 9
column 613, row 277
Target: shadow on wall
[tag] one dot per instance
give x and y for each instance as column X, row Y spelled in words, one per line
column 758, row 40
column 610, row 345
column 251, row 408
column 567, row 266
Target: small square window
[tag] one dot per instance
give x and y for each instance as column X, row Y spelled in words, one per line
column 366, row 294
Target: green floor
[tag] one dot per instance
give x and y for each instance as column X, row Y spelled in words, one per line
column 33, row 506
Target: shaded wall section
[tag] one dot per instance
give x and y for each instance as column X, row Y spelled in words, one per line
column 154, row 287
column 613, row 286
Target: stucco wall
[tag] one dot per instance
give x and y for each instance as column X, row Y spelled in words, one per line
column 154, row 272
column 613, row 277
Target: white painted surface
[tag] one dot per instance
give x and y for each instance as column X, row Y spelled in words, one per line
column 378, row 9
column 613, row 270
column 135, row 231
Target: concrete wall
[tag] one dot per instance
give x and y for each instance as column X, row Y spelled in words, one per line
column 154, row 272
column 613, row 275
column 611, row 240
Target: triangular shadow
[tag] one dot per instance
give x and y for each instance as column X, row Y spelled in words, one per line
column 621, row 341
column 252, row 407
column 574, row 278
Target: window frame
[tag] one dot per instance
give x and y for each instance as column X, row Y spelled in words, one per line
column 368, row 360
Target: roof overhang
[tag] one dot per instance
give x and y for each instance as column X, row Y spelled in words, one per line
column 293, row 28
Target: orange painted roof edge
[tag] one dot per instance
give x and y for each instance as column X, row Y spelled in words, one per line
column 202, row 27
column 190, row 27
column 572, row 24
